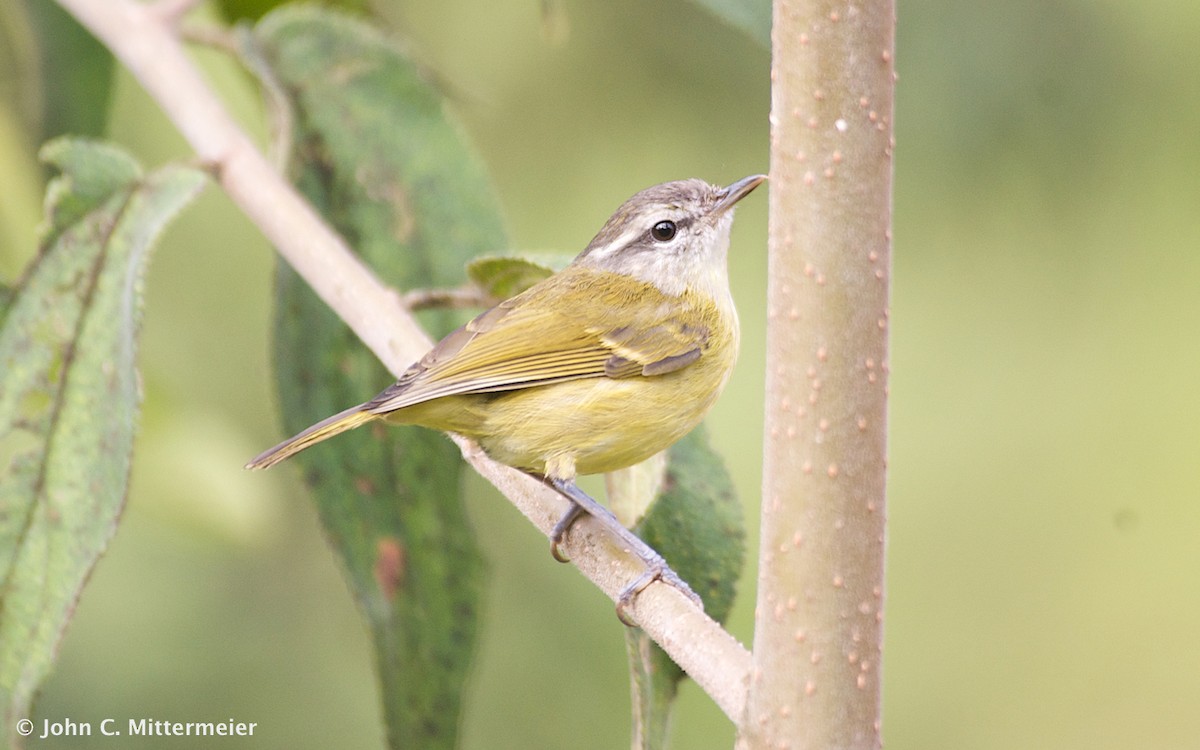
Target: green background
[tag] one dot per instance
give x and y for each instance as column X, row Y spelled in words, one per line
column 1044, row 486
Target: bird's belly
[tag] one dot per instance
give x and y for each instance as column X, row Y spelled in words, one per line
column 600, row 423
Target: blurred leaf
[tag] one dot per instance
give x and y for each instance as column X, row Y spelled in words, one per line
column 75, row 73
column 632, row 490
column 253, row 10
column 696, row 524
column 750, row 16
column 70, row 396
column 503, row 276
column 377, row 153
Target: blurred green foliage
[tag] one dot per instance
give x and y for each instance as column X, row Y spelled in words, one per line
column 1044, row 492
column 696, row 523
column 70, row 78
column 376, row 153
column 69, row 398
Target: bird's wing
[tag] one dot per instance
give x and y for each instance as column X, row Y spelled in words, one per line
column 536, row 339
column 654, row 348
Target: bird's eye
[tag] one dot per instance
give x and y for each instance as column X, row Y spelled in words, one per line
column 663, row 231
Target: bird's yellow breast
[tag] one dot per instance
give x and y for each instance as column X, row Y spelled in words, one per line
column 599, row 424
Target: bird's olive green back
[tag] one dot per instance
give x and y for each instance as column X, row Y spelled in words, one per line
column 552, row 333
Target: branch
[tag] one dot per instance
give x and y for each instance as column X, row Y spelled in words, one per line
column 820, row 592
column 144, row 41
column 461, row 297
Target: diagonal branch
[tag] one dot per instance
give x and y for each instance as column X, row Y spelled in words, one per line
column 145, row 42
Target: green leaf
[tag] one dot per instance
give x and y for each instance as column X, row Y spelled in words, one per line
column 69, row 396
column 752, row 17
column 697, row 525
column 503, row 276
column 253, row 10
column 6, row 295
column 75, row 73
column 377, row 152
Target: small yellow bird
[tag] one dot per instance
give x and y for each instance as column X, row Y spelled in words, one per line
column 594, row 369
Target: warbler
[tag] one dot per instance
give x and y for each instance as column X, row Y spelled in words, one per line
column 593, row 369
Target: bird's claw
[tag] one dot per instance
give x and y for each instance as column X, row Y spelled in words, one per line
column 656, row 567
column 556, row 551
column 655, row 571
column 559, row 532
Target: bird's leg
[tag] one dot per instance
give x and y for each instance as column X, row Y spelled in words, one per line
column 559, row 532
column 656, row 566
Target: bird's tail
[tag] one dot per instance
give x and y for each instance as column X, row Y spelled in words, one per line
column 326, row 428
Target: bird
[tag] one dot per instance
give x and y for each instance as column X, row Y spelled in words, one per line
column 593, row 369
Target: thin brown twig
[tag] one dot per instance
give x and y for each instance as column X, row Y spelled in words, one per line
column 458, row 298
column 171, row 12
column 209, row 35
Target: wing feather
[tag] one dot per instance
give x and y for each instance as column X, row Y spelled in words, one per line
column 542, row 336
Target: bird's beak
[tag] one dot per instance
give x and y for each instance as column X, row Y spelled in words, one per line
column 728, row 196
